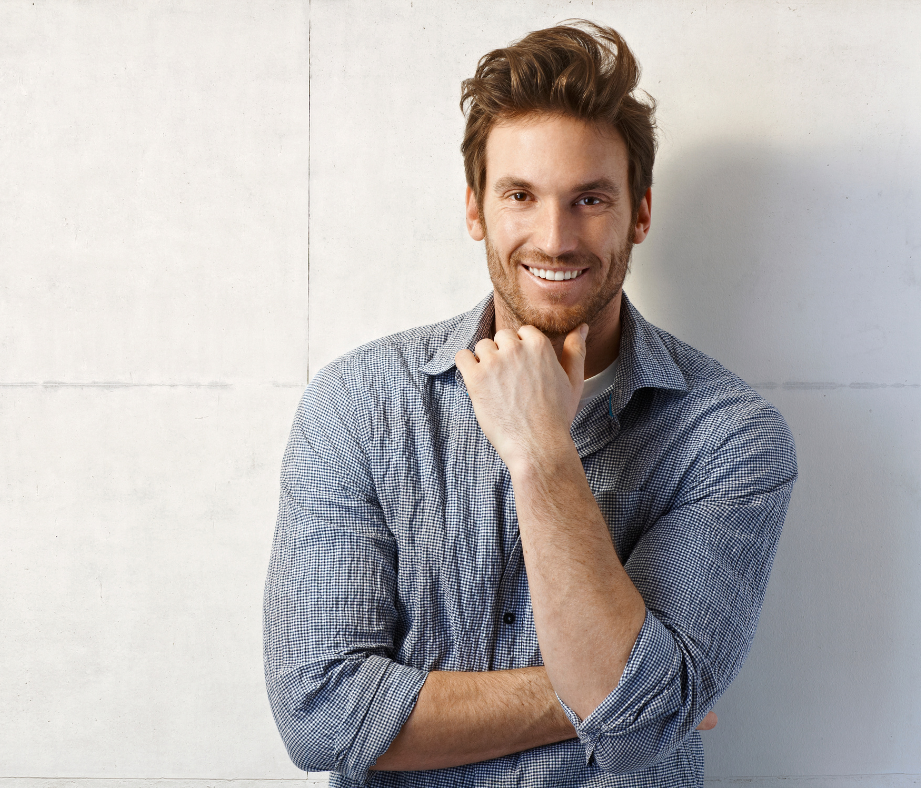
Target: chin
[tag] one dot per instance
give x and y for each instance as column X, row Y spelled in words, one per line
column 558, row 324
column 553, row 322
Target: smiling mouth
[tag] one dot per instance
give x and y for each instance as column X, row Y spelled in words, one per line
column 556, row 276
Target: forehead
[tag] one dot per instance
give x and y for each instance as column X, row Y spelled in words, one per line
column 555, row 152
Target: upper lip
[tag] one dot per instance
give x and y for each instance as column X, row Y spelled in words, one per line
column 547, row 268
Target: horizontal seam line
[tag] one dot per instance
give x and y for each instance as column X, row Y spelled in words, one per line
column 820, row 385
column 124, row 384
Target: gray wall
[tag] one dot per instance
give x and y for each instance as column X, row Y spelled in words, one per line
column 153, row 347
column 158, row 171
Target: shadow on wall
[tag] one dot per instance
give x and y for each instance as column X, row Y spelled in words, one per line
column 774, row 263
column 788, row 267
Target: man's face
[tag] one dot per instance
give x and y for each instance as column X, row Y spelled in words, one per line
column 557, row 221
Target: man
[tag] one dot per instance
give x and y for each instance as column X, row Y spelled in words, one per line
column 528, row 545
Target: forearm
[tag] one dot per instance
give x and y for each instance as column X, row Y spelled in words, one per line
column 587, row 612
column 467, row 717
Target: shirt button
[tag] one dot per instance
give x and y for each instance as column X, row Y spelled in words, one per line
column 509, row 618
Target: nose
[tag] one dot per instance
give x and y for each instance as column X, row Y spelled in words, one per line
column 556, row 232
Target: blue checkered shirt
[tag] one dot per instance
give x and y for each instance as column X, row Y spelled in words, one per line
column 397, row 552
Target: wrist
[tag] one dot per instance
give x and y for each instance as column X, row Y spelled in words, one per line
column 553, row 458
column 553, row 719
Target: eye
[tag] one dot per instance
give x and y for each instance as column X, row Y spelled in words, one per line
column 589, row 201
column 519, row 196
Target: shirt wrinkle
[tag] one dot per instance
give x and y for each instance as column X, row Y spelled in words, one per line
column 397, row 552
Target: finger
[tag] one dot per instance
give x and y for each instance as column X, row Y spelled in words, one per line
column 465, row 361
column 708, row 723
column 506, row 337
column 573, row 356
column 484, row 347
column 531, row 334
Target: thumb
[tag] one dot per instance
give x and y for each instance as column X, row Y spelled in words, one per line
column 573, row 356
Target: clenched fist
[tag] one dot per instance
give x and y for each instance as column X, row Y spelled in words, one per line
column 524, row 397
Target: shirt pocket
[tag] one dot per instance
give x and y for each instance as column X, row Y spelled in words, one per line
column 627, row 516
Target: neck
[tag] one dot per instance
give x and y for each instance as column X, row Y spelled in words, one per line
column 602, row 345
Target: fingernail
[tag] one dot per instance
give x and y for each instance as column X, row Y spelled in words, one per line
column 583, row 330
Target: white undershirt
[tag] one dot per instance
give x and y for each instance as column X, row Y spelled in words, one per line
column 598, row 383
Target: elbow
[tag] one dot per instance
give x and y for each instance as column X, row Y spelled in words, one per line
column 302, row 759
column 340, row 715
column 640, row 748
column 660, row 725
column 665, row 692
column 304, row 753
column 303, row 729
column 629, row 755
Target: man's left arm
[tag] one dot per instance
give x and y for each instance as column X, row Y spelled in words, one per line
column 637, row 654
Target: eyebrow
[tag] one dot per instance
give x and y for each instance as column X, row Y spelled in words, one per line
column 599, row 184
column 510, row 182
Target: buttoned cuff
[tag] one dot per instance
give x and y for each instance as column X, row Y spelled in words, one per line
column 645, row 692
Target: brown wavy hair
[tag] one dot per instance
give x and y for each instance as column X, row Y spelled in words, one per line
column 579, row 69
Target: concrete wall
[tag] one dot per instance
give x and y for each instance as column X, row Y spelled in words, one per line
column 153, row 347
column 154, row 340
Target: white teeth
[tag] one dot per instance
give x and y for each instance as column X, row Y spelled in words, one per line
column 554, row 276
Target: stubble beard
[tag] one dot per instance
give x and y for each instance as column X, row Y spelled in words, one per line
column 558, row 322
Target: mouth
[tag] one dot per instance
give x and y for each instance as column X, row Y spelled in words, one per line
column 556, row 275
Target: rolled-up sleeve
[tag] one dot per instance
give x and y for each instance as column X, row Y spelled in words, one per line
column 702, row 569
column 338, row 697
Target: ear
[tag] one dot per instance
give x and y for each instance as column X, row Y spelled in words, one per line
column 474, row 222
column 643, row 218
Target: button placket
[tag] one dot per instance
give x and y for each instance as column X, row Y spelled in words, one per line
column 508, row 600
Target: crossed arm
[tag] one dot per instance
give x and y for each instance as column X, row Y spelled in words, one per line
column 464, row 718
column 587, row 612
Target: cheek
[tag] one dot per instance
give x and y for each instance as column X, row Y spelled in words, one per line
column 607, row 240
column 509, row 231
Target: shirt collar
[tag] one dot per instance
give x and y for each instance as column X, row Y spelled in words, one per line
column 474, row 326
column 644, row 360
